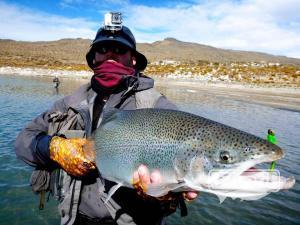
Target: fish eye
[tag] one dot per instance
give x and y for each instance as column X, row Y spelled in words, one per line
column 225, row 156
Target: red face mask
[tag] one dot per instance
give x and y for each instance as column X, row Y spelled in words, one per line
column 109, row 76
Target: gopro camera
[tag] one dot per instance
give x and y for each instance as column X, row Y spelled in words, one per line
column 113, row 21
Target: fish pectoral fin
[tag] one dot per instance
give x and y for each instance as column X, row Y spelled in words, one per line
column 221, row 198
column 159, row 190
column 112, row 190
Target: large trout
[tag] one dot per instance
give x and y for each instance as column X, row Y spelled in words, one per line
column 191, row 153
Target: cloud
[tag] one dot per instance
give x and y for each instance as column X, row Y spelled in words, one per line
column 255, row 25
column 70, row 3
column 21, row 23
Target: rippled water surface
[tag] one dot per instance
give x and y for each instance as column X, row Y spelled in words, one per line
column 23, row 98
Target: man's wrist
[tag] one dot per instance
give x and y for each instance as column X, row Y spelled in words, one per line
column 42, row 152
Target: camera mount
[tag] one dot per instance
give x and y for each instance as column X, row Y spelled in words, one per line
column 113, row 21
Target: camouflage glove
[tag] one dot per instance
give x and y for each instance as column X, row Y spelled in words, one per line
column 71, row 155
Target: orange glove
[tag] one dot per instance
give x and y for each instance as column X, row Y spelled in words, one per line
column 72, row 155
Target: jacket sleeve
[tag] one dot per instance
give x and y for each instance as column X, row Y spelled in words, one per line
column 32, row 143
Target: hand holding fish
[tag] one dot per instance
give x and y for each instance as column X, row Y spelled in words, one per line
column 71, row 156
column 142, row 179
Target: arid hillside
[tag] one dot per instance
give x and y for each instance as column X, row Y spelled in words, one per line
column 63, row 54
column 172, row 49
column 168, row 58
column 71, row 52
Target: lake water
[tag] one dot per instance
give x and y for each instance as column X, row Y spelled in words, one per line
column 23, row 98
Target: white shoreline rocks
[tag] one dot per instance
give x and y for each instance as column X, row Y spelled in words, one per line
column 45, row 72
column 172, row 79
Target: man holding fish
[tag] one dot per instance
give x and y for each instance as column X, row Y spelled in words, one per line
column 56, row 142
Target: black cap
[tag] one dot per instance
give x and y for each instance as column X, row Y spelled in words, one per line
column 124, row 37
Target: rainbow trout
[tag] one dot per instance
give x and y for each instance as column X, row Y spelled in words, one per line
column 191, row 153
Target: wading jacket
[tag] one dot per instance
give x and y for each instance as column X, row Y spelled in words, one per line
column 72, row 116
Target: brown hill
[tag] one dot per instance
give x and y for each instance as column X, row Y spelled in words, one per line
column 71, row 52
column 173, row 49
column 43, row 53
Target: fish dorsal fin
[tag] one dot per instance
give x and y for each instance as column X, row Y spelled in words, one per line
column 112, row 190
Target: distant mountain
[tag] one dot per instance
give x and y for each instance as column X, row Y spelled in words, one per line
column 72, row 51
column 64, row 51
column 173, row 49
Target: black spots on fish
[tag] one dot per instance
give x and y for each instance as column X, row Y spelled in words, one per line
column 192, row 137
column 209, row 151
column 193, row 150
column 264, row 147
column 195, row 136
column 268, row 146
column 222, row 135
column 247, row 149
column 190, row 151
column 209, row 156
column 182, row 166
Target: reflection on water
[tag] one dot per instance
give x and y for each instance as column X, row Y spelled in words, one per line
column 22, row 99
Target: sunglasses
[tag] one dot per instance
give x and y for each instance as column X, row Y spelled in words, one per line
column 116, row 49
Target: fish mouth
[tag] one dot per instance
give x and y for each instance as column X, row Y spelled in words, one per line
column 248, row 182
column 269, row 175
column 270, row 158
column 275, row 155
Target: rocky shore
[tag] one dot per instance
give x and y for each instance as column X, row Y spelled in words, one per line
column 27, row 71
column 251, row 73
column 272, row 94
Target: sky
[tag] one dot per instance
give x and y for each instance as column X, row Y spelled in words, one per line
column 253, row 25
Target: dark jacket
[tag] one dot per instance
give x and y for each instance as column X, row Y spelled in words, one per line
column 32, row 147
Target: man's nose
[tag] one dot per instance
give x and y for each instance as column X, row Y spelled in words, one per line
column 110, row 55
